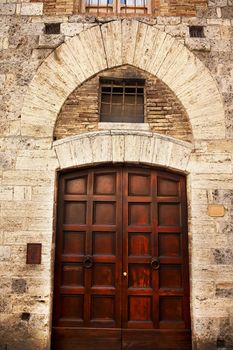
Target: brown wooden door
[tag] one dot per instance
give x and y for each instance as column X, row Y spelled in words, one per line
column 121, row 272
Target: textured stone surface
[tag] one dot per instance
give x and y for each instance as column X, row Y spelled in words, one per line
column 31, row 9
column 163, row 111
column 158, row 54
column 162, row 8
column 35, row 82
column 19, row 286
column 123, row 146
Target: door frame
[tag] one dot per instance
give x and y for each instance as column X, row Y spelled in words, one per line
column 142, row 166
column 132, row 147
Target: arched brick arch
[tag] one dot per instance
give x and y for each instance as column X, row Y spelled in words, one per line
column 114, row 44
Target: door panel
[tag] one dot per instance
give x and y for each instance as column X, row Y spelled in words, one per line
column 121, row 276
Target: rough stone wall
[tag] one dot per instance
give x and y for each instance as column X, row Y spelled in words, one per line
column 163, row 111
column 159, row 7
column 27, row 179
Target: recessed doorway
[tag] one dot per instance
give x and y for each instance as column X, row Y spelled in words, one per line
column 121, row 269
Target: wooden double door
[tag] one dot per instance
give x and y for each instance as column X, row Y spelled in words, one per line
column 121, row 270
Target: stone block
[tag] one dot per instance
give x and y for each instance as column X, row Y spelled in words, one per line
column 33, row 28
column 63, row 154
column 210, row 239
column 212, row 32
column 162, row 152
column 31, row 9
column 224, row 290
column 168, row 20
column 132, row 148
column 4, row 43
column 18, row 237
column 226, row 32
column 6, row 193
column 223, row 256
column 5, row 253
column 40, row 54
column 147, row 149
column 204, row 289
column 26, row 211
column 2, row 80
column 220, row 146
column 5, row 304
column 19, row 286
column 50, row 41
column 129, row 32
column 124, row 126
column 210, row 308
column 220, row 45
column 7, row 9
column 29, row 303
column 95, row 53
column 27, row 177
column 5, row 286
column 180, row 155
column 71, row 29
column 198, row 44
column 81, row 151
column 38, row 286
column 118, row 148
column 217, row 3
column 179, row 30
column 101, row 148
column 13, row 224
column 22, row 193
column 209, row 163
column 219, row 12
column 227, row 12
column 40, row 160
column 194, row 21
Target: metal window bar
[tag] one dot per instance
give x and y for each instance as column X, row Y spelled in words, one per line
column 196, row 31
column 134, row 6
column 99, row 6
column 117, row 6
column 122, row 101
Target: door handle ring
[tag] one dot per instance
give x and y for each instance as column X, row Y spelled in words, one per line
column 88, row 261
column 155, row 263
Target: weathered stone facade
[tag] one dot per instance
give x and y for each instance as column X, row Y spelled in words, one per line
column 39, row 75
column 163, row 111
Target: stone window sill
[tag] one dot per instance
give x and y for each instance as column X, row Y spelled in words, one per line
column 124, row 126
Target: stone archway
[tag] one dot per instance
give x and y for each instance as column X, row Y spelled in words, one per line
column 123, row 146
column 114, row 44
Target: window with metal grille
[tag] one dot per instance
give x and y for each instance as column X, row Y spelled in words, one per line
column 122, row 101
column 99, row 6
column 52, row 28
column 196, row 32
column 117, row 6
column 133, row 6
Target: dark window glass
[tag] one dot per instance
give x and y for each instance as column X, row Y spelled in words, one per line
column 52, row 28
column 196, row 32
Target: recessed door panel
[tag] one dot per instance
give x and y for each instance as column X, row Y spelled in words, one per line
column 121, row 276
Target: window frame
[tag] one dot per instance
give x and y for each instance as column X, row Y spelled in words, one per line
column 117, row 8
column 123, row 83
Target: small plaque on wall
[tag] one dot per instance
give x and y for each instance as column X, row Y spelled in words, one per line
column 34, row 253
column 216, row 210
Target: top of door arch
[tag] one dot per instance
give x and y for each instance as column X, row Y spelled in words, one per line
column 114, row 44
